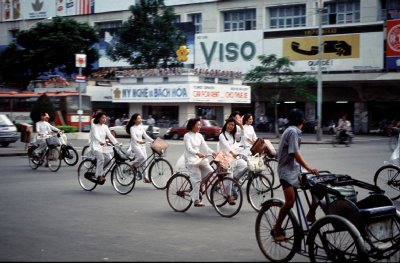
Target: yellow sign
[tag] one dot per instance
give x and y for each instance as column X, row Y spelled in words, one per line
column 182, row 53
column 333, row 47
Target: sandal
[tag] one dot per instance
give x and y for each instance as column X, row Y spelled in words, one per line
column 101, row 180
column 198, row 203
column 147, row 181
column 279, row 235
column 231, row 200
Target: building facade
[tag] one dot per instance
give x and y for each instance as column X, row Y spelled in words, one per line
column 359, row 58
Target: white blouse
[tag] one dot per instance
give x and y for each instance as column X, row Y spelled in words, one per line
column 193, row 142
column 98, row 133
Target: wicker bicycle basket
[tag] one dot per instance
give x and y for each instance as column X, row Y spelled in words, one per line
column 159, row 146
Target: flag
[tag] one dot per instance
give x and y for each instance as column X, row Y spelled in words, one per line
column 83, row 7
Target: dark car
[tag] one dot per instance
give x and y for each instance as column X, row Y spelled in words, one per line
column 209, row 129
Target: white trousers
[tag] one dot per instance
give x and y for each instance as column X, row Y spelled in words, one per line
column 198, row 172
column 101, row 159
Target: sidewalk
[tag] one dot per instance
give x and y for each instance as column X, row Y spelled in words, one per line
column 18, row 148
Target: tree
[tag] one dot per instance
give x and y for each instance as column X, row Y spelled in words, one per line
column 49, row 46
column 149, row 38
column 42, row 105
column 279, row 70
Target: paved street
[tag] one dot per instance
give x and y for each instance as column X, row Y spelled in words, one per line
column 47, row 216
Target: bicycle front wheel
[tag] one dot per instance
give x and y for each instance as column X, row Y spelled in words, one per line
column 178, row 192
column 123, row 178
column 160, row 171
column 86, row 175
column 34, row 162
column 259, row 189
column 334, row 239
column 53, row 159
column 71, row 156
column 272, row 173
column 266, row 218
column 387, row 178
column 221, row 192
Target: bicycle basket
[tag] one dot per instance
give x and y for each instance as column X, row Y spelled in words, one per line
column 159, row 145
column 52, row 142
column 120, row 154
column 224, row 160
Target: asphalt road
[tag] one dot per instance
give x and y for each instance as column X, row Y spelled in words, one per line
column 47, row 216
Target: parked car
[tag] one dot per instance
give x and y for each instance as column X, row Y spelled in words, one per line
column 8, row 131
column 120, row 130
column 209, row 129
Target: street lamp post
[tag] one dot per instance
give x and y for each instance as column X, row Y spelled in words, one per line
column 319, row 78
column 80, row 62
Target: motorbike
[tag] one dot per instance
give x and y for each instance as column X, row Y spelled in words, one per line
column 342, row 137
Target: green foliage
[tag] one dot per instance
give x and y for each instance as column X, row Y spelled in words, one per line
column 68, row 129
column 47, row 46
column 278, row 70
column 150, row 37
column 42, row 105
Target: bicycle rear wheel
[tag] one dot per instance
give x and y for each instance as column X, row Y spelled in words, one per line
column 53, row 159
column 221, row 191
column 178, row 192
column 387, row 178
column 123, row 178
column 259, row 189
column 160, row 171
column 86, row 175
column 71, row 156
column 266, row 218
column 335, row 239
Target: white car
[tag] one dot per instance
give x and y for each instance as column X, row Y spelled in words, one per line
column 120, row 130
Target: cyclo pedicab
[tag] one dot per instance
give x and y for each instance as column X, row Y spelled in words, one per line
column 366, row 231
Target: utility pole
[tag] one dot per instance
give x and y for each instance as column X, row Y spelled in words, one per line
column 319, row 78
column 80, row 62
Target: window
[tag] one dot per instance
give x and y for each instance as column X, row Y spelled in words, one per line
column 177, row 19
column 287, row 16
column 239, row 20
column 196, row 19
column 341, row 12
column 107, row 30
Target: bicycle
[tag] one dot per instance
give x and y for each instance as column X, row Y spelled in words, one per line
column 122, row 174
column 259, row 187
column 387, row 177
column 272, row 170
column 67, row 151
column 159, row 169
column 363, row 231
column 222, row 187
column 38, row 152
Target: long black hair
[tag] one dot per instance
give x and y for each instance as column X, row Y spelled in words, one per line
column 233, row 132
column 246, row 117
column 99, row 114
column 131, row 122
column 191, row 123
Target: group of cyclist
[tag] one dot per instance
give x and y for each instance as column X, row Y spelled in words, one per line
column 237, row 137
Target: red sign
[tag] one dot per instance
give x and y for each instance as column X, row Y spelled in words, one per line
column 393, row 38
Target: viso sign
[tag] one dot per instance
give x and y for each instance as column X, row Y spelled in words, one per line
column 235, row 51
